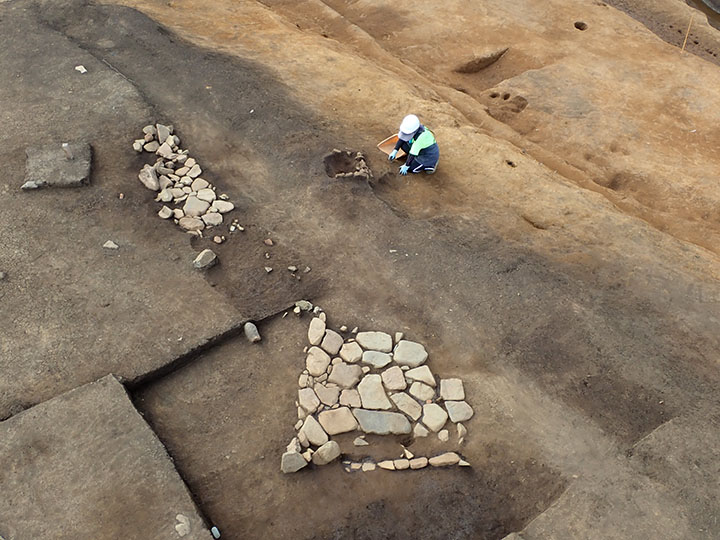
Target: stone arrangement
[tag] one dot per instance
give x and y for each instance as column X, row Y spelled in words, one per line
column 176, row 177
column 374, row 383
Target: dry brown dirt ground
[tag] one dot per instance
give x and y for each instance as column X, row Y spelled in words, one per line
column 563, row 260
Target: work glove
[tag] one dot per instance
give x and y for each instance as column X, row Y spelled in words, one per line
column 392, row 155
column 404, row 170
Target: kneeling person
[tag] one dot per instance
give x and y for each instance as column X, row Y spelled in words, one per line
column 419, row 144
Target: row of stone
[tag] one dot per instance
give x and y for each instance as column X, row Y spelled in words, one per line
column 443, row 460
column 295, row 458
column 176, row 177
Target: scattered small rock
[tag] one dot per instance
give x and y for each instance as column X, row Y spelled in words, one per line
column 292, row 269
column 218, row 239
column 269, row 269
column 205, row 259
column 360, row 442
column 110, row 245
column 251, row 331
column 165, row 212
column 444, row 435
column 268, row 242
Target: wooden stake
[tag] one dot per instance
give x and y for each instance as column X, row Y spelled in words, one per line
column 687, row 33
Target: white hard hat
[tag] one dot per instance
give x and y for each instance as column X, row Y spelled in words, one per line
column 408, row 127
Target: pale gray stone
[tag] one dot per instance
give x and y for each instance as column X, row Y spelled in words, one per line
column 332, row 342
column 382, row 422
column 304, row 380
column 165, row 195
column 328, row 394
column 351, row 352
column 461, row 431
column 207, row 195
column 459, row 411
column 350, row 398
column 409, row 353
column 452, row 389
column 398, row 337
column 316, row 331
column 199, row 183
column 368, row 466
column 401, row 464
column 407, row 405
column 194, row 207
column 165, row 182
column 422, row 391
column 336, row 421
column 317, row 361
column 422, row 374
column 372, row 393
column 420, row 431
column 163, row 132
column 194, row 171
column 205, row 259
column 292, row 462
column 152, row 146
column 375, row 341
column 326, row 453
column 376, row 359
column 149, row 178
column 164, row 150
column 444, row 460
column 360, row 442
column 190, row 162
column 212, row 220
column 223, row 206
column 387, row 464
column 308, row 400
column 110, row 245
column 434, row 416
column 191, row 223
column 251, row 332
column 314, row 432
column 182, row 171
column 150, row 129
column 393, row 378
column 345, row 375
column 444, row 435
column 418, row 462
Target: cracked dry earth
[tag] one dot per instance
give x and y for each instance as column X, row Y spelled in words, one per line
column 562, row 263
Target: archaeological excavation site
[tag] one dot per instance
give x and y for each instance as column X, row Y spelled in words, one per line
column 360, row 270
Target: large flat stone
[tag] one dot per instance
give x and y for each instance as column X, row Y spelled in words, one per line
column 336, row 421
column 375, row 341
column 49, row 165
column 382, row 422
column 86, row 465
column 409, row 353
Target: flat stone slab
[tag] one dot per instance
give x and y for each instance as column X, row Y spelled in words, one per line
column 375, row 341
column 381, row 422
column 50, row 165
column 409, row 353
column 86, row 465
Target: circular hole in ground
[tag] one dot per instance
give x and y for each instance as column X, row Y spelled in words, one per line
column 506, row 96
column 494, row 95
column 511, row 163
column 581, row 25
